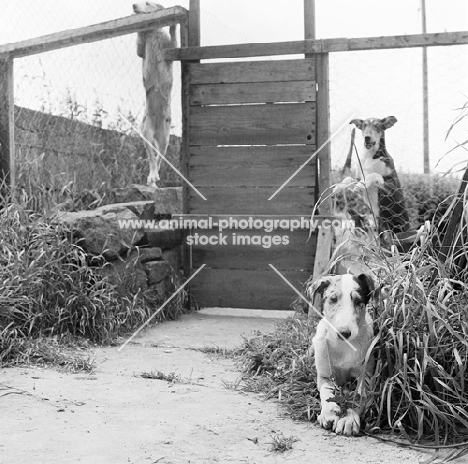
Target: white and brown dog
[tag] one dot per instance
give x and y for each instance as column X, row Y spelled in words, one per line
column 341, row 343
column 384, row 193
column 157, row 80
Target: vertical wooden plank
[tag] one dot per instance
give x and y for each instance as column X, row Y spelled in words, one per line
column 191, row 38
column 323, row 108
column 323, row 131
column 323, row 253
column 322, row 258
column 185, row 146
column 309, row 20
column 194, row 24
column 7, row 127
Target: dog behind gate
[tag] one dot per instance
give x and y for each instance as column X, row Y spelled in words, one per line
column 157, row 80
column 384, row 194
column 341, row 344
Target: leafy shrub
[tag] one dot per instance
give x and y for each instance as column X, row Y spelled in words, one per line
column 427, row 197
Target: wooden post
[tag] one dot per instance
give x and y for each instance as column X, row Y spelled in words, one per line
column 309, row 19
column 189, row 37
column 325, row 237
column 194, row 24
column 427, row 168
column 7, row 128
column 323, row 131
column 323, row 110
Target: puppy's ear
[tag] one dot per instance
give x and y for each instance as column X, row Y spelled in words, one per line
column 369, row 289
column 388, row 122
column 315, row 291
column 357, row 122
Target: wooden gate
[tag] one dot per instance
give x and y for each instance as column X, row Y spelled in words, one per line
column 251, row 125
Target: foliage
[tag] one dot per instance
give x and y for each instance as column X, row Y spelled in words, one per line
column 48, row 289
column 420, row 386
column 280, row 443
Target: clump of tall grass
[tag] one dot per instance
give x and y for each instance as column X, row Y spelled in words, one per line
column 49, row 290
column 278, row 366
column 420, row 386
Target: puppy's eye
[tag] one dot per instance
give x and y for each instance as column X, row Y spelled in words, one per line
column 333, row 298
column 357, row 301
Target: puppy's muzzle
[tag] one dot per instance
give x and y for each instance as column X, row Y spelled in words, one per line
column 368, row 143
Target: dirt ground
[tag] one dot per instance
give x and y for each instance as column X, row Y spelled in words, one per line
column 113, row 416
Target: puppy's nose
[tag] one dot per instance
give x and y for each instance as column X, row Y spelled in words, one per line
column 367, row 139
column 345, row 334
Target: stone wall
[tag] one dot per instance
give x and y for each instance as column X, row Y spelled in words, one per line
column 148, row 260
column 53, row 151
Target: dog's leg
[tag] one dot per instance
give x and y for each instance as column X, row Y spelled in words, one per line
column 153, row 176
column 141, row 44
column 172, row 33
column 329, row 414
column 148, row 132
column 350, row 424
column 154, row 162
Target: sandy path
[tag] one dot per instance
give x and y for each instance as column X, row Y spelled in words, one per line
column 115, row 417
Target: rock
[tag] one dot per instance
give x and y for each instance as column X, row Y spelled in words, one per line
column 99, row 231
column 127, row 274
column 164, row 238
column 156, row 295
column 157, row 271
column 150, row 254
column 166, row 200
column 143, row 209
column 174, row 257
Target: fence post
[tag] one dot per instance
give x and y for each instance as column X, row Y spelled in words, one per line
column 323, row 110
column 323, row 130
column 194, row 24
column 7, row 127
column 189, row 37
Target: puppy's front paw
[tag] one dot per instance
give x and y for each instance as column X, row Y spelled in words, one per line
column 344, row 184
column 374, row 179
column 328, row 418
column 349, row 424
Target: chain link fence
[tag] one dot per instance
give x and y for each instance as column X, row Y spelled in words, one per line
column 71, row 139
column 381, row 83
column 73, row 144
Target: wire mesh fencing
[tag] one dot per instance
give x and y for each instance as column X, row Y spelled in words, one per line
column 381, row 83
column 73, row 142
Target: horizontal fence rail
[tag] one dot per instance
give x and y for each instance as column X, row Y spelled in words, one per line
column 101, row 31
column 317, row 46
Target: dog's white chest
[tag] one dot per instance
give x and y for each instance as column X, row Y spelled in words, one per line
column 371, row 165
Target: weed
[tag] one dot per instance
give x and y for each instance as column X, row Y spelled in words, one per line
column 158, row 375
column 235, row 385
column 280, row 443
column 216, row 350
column 48, row 290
